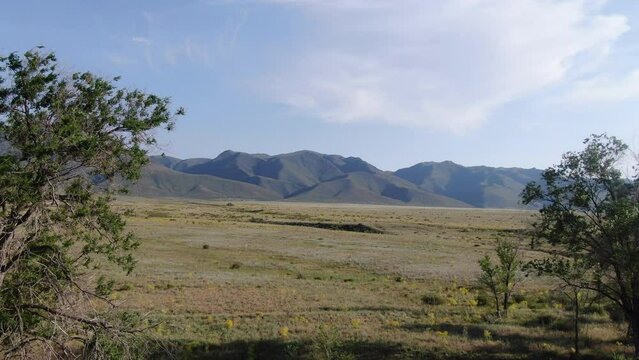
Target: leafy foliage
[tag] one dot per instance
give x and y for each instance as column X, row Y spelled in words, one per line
column 501, row 278
column 68, row 140
column 591, row 214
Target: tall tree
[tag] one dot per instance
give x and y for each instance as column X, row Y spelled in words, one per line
column 590, row 212
column 65, row 141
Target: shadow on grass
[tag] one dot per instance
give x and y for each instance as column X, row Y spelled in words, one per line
column 277, row 349
column 361, row 350
column 520, row 345
column 382, row 309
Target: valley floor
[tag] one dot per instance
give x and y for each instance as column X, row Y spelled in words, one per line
column 249, row 280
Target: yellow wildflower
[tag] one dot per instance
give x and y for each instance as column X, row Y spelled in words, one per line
column 394, row 323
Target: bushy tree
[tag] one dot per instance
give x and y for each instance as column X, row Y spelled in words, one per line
column 590, row 213
column 502, row 277
column 65, row 142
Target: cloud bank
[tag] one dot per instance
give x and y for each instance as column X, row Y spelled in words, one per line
column 442, row 65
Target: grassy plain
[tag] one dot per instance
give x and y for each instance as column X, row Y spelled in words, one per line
column 241, row 281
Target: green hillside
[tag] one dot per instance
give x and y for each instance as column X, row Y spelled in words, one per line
column 314, row 177
column 479, row 186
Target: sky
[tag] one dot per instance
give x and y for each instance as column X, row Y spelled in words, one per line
column 395, row 82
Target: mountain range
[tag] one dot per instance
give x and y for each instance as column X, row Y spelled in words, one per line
column 313, row 177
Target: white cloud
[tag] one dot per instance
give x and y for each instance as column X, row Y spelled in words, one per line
column 604, row 89
column 141, row 40
column 118, row 60
column 146, row 45
column 444, row 65
column 171, row 48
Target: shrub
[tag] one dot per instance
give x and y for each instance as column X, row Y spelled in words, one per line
column 615, row 313
column 482, row 299
column 236, row 266
column 519, row 297
column 595, row 308
column 205, row 246
column 544, row 320
column 433, row 299
column 329, row 344
column 125, row 287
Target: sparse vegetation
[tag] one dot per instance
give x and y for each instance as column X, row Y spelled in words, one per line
column 433, row 299
column 348, row 284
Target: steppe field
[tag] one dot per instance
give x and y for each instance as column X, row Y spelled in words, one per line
column 251, row 280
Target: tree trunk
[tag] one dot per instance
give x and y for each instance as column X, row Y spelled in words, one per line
column 576, row 294
column 634, row 323
column 497, row 303
column 506, row 300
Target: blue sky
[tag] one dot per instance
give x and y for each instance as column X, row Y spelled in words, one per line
column 396, row 82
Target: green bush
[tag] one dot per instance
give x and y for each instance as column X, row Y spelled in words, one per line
column 595, row 308
column 542, row 320
column 519, row 297
column 433, row 299
column 483, row 299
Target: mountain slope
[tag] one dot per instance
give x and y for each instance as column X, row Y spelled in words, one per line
column 158, row 180
column 478, row 186
column 285, row 174
column 298, row 176
column 314, row 177
column 378, row 188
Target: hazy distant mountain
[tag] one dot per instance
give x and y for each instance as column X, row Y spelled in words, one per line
column 315, row 177
column 479, row 186
column 158, row 180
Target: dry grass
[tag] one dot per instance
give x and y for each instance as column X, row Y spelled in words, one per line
column 294, row 291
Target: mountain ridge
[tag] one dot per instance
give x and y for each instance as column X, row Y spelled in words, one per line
column 315, row 177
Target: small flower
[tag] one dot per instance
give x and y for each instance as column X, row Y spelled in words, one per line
column 356, row 323
column 283, row 332
column 394, row 323
column 229, row 324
